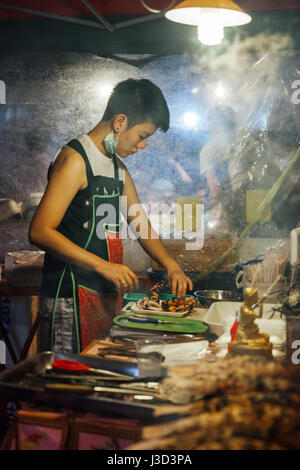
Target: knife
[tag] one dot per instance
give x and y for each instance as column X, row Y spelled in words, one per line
column 153, row 320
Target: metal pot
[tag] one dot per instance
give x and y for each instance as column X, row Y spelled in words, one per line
column 207, row 297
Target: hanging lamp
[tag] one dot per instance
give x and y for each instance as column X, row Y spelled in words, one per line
column 211, row 16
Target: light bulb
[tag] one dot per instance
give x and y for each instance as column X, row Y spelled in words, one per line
column 210, row 16
column 190, row 119
column 104, row 89
column 220, row 91
column 210, row 29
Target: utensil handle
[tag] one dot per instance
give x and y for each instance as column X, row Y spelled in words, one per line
column 86, row 389
column 108, row 373
column 67, row 364
column 150, row 320
column 69, row 388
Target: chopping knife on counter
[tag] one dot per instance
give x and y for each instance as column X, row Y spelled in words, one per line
column 142, row 319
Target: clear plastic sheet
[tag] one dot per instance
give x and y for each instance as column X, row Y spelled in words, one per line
column 48, row 105
column 252, row 155
column 237, row 141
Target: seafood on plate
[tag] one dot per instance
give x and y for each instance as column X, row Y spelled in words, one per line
column 175, row 304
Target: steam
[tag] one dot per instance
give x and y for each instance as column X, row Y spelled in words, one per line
column 234, row 59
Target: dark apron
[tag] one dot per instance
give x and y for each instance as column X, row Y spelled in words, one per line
column 93, row 308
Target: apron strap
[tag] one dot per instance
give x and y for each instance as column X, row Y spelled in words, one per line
column 116, row 172
column 76, row 145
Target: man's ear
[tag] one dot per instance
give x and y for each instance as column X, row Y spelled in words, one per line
column 119, row 122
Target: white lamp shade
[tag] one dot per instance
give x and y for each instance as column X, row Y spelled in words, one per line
column 190, row 12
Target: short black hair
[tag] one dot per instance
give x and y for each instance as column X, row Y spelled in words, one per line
column 141, row 101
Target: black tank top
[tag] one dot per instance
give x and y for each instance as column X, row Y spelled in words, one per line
column 75, row 226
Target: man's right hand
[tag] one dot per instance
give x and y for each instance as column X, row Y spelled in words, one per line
column 123, row 278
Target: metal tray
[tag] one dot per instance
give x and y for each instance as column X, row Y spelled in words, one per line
column 12, row 388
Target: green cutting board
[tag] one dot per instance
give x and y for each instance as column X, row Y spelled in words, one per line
column 181, row 325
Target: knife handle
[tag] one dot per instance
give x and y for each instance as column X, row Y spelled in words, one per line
column 69, row 388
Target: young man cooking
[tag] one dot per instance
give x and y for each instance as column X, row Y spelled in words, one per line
column 83, row 266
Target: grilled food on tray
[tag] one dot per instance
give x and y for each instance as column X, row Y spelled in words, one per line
column 243, row 402
column 175, row 304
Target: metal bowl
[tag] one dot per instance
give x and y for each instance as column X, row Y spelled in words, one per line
column 207, row 297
